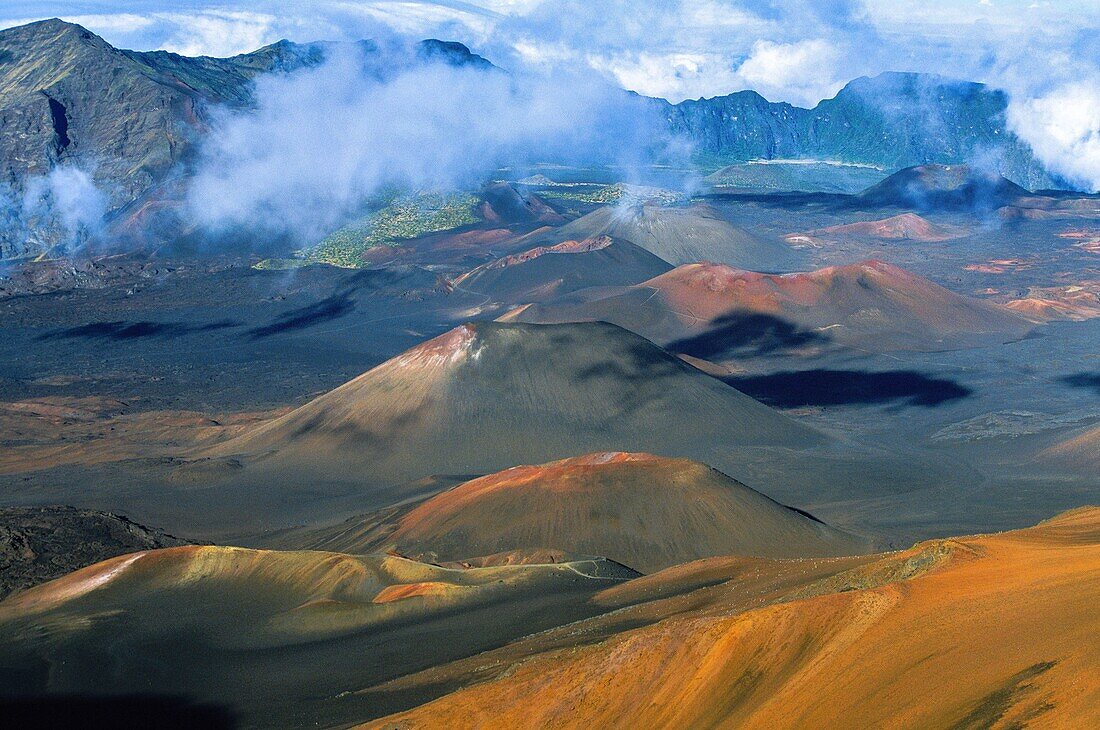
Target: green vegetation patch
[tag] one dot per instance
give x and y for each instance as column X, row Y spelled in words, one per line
column 606, row 194
column 399, row 219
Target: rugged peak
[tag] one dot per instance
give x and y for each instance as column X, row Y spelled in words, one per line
column 452, row 53
column 903, row 81
column 51, row 31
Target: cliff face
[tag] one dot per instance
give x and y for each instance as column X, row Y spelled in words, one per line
column 67, row 97
column 129, row 119
column 893, row 120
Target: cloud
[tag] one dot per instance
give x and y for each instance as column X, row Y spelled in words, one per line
column 66, row 201
column 113, row 23
column 218, row 32
column 673, row 75
column 802, row 73
column 793, row 50
column 1063, row 129
column 322, row 141
column 424, row 18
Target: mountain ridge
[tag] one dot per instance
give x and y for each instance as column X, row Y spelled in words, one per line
column 53, row 111
column 913, row 118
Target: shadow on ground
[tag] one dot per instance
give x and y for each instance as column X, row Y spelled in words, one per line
column 133, row 712
column 121, row 330
column 792, row 389
column 1088, row 381
column 747, row 333
column 326, row 310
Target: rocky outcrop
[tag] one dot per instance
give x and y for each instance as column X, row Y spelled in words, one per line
column 38, row 544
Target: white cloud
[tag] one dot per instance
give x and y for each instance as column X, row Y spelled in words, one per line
column 111, row 23
column 67, row 197
column 673, row 76
column 802, row 73
column 332, row 138
column 420, row 18
column 218, row 32
column 1063, row 129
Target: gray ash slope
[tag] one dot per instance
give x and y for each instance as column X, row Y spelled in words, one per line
column 679, row 235
column 486, row 396
column 545, row 272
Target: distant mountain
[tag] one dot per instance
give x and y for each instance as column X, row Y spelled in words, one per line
column 130, row 118
column 893, row 120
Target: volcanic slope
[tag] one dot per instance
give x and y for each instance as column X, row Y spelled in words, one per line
column 487, row 396
column 640, row 510
column 508, row 204
column 928, row 637
column 712, row 311
column 1080, row 452
column 905, row 227
column 678, row 235
column 276, row 637
column 943, row 187
column 547, row 271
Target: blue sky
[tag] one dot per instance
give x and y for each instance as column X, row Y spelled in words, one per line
column 1044, row 53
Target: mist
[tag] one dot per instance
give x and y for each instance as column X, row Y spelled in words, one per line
column 1062, row 126
column 321, row 142
column 66, row 205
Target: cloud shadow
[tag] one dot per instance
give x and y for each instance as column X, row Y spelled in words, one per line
column 121, row 330
column 792, row 389
column 1088, row 381
column 326, row 310
column 751, row 333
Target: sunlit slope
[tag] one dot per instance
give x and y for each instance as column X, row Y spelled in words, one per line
column 987, row 631
column 905, row 227
column 277, row 636
column 679, row 235
column 547, row 271
column 644, row 511
column 709, row 310
column 1081, row 451
column 487, row 396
